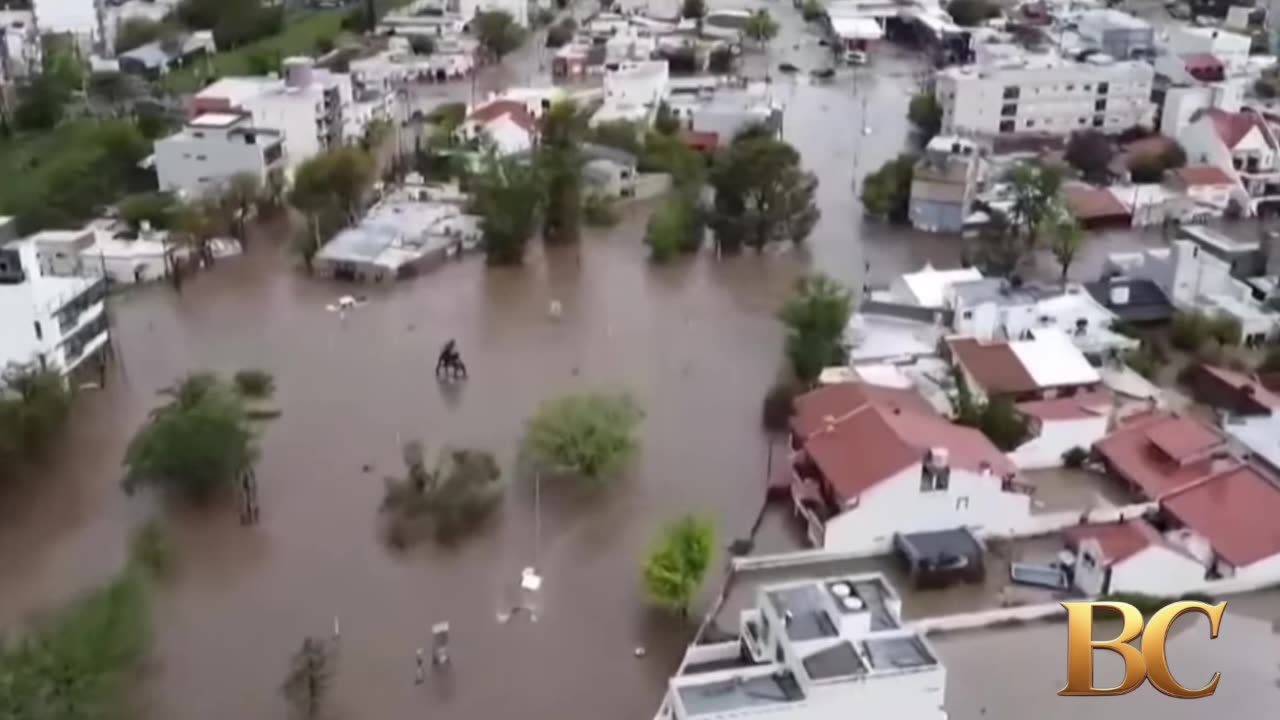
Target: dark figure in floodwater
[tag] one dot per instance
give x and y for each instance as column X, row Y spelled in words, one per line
column 449, row 365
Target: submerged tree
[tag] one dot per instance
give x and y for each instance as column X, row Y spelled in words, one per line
column 816, row 316
column 560, row 162
column 34, row 405
column 762, row 194
column 1035, row 192
column 449, row 501
column 591, row 435
column 678, row 562
column 197, row 444
column 1065, row 238
column 761, row 27
column 507, row 195
column 497, row 32
column 306, row 687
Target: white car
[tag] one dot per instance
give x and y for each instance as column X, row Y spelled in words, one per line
column 856, row 57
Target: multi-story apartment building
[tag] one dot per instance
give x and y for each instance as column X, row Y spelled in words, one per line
column 310, row 107
column 53, row 317
column 212, row 148
column 84, row 20
column 810, row 649
column 1045, row 95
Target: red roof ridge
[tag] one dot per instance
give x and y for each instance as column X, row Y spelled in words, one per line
column 1235, row 464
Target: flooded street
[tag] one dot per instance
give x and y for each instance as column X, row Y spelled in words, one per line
column 697, row 344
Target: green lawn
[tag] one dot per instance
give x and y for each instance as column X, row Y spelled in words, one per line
column 24, row 155
column 301, row 33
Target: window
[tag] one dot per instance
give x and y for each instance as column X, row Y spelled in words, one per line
column 1006, row 126
column 1087, row 86
column 967, row 315
column 198, row 134
column 1102, row 88
column 1009, row 110
column 962, row 502
column 1083, row 121
column 1070, row 88
column 1011, row 92
column 201, row 158
column 1100, row 106
column 1097, row 121
column 1031, row 123
column 39, row 330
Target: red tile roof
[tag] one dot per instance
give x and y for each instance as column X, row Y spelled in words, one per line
column 1235, row 511
column 1194, row 175
column 1232, row 127
column 1075, row 407
column 517, row 111
column 1090, row 203
column 859, row 435
column 700, row 140
column 994, row 365
column 1157, row 452
column 1119, row 541
column 1245, row 384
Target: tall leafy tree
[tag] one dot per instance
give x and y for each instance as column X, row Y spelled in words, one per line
column 1065, row 238
column 307, row 686
column 815, row 317
column 560, row 162
column 886, row 193
column 761, row 27
column 590, row 435
column 925, row 112
column 507, row 194
column 1035, row 191
column 1090, row 152
column 762, row 194
column 678, row 562
column 497, row 32
column 693, row 9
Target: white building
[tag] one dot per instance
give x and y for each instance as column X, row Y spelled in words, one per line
column 1230, row 48
column 1195, row 280
column 211, row 149
column 873, row 461
column 20, row 50
column 1060, row 425
column 928, row 287
column 993, row 309
column 818, row 648
column 312, row 108
column 1045, row 94
column 1130, row 557
column 507, row 124
column 633, row 91
column 1244, row 146
column 83, row 19
column 53, row 316
column 1042, row 364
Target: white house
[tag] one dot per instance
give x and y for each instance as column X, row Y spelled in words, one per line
column 1243, row 145
column 1130, row 556
column 1044, row 94
column 633, row 91
column 1229, row 520
column 1229, row 47
column 994, row 309
column 507, row 124
column 212, row 148
column 53, row 316
column 1042, row 364
column 928, row 287
column 816, row 648
column 1061, row 425
column 872, row 461
column 1181, row 102
column 1207, row 188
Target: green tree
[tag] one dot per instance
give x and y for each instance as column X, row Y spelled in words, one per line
column 41, row 104
column 195, row 445
column 693, row 9
column 497, row 32
column 34, row 406
column 761, row 27
column 1065, row 239
column 678, row 562
column 589, row 435
column 307, row 686
column 762, row 194
column 507, row 194
column 334, row 181
column 560, row 163
column 676, row 227
column 666, row 121
column 155, row 208
column 620, row 134
column 1090, row 152
column 925, row 112
column 450, row 501
column 812, row 10
column 1035, row 188
column 971, row 13
column 1188, row 331
column 422, row 44
column 816, row 316
column 133, row 32
column 886, row 193
column 720, row 61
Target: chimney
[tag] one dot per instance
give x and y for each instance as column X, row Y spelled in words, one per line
column 1119, row 294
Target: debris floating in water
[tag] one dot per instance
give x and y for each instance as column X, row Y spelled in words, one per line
column 555, row 309
column 639, row 651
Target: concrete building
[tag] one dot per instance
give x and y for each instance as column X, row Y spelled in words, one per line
column 211, row 149
column 946, row 181
column 1046, row 95
column 609, row 171
column 817, row 648
column 1061, row 425
column 1244, row 146
column 507, row 124
column 312, row 108
column 874, row 461
column 1206, row 187
column 993, row 309
column 714, row 108
column 928, row 287
column 1232, row 49
column 406, row 233
column 85, row 20
column 1042, row 364
column 54, row 317
column 1116, row 33
column 1130, row 557
column 156, row 58
column 632, row 92
column 20, row 51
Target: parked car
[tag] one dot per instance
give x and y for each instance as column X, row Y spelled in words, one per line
column 856, row 57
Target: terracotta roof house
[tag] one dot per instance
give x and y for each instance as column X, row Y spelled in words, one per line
column 1157, row 453
column 1095, row 207
column 869, row 462
column 1235, row 393
column 1043, row 365
column 508, row 124
column 1234, row 513
column 1130, row 556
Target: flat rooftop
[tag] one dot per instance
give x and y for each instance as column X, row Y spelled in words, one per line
column 215, row 120
column 898, row 652
column 745, row 692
